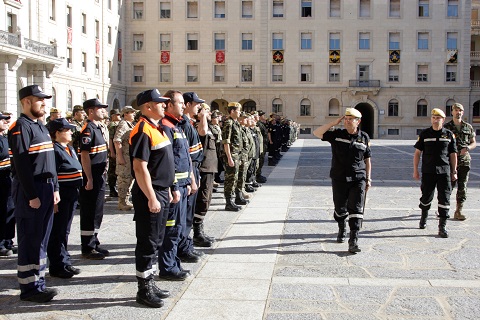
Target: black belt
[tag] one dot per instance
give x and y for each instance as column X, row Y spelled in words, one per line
column 44, row 180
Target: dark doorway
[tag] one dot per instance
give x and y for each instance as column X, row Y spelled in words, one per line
column 368, row 118
column 249, row 106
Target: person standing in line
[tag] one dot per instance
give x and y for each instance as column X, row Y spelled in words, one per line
column 465, row 139
column 123, row 168
column 69, row 172
column 78, row 121
column 153, row 168
column 112, row 153
column 437, row 148
column 93, row 156
column 350, row 173
column 34, row 193
column 260, row 118
column 217, row 132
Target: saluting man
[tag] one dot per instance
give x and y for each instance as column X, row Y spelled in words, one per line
column 35, row 191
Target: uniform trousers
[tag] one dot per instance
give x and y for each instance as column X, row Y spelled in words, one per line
column 444, row 189
column 242, row 173
column 57, row 250
column 349, row 199
column 252, row 167
column 111, row 173
column 186, row 242
column 261, row 161
column 231, row 176
column 461, row 183
column 91, row 211
column 33, row 231
column 149, row 229
column 204, row 196
column 168, row 260
column 7, row 218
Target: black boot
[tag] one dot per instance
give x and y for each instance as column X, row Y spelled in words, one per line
column 423, row 219
column 342, row 232
column 255, row 184
column 231, row 206
column 352, row 243
column 146, row 294
column 113, row 192
column 199, row 237
column 249, row 188
column 239, row 199
column 442, row 232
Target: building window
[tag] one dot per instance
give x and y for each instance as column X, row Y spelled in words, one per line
column 334, row 41
column 192, row 41
column 393, row 73
column 84, row 97
column 138, row 42
column 306, row 41
column 423, row 8
column 109, row 34
column 277, row 8
column 119, row 72
column 138, row 10
column 54, row 98
column 138, row 73
column 84, row 62
column 277, row 106
column 306, row 73
column 277, row 73
column 97, row 66
column 451, row 73
column 165, row 41
column 51, row 10
column 364, row 8
column 69, row 100
column 422, row 73
column 219, row 73
column 192, row 73
column 110, row 67
column 277, row 41
column 305, row 107
column 165, row 10
column 219, row 9
column 333, row 108
column 364, row 41
column 393, row 132
column 165, row 74
column 11, row 22
column 452, row 40
column 306, row 8
column 69, row 16
column 119, row 39
column 334, row 9
column 393, row 108
column 422, row 41
column 394, row 41
column 334, row 73
column 97, row 29
column 448, row 107
column 192, row 9
column 247, row 9
column 69, row 58
column 247, row 74
column 452, row 8
column 219, row 41
column 422, row 108
column 247, row 41
column 84, row 23
column 394, row 9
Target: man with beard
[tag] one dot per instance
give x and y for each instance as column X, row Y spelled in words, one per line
column 35, row 192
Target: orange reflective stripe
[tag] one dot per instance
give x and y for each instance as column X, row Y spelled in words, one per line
column 41, row 147
column 69, row 176
column 195, row 148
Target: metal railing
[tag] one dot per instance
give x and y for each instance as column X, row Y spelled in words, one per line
column 28, row 44
column 364, row 83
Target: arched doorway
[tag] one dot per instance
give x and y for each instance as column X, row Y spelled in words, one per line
column 219, row 104
column 248, row 105
column 368, row 118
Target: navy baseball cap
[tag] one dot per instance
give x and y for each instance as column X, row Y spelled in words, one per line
column 4, row 117
column 150, row 95
column 60, row 123
column 192, row 96
column 33, row 90
column 93, row 103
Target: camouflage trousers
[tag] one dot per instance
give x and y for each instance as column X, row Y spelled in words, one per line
column 124, row 178
column 231, row 176
column 242, row 174
column 111, row 175
column 461, row 183
column 260, row 163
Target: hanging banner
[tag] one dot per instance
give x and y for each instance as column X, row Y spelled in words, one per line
column 334, row 56
column 394, row 56
column 452, row 56
column 165, row 57
column 220, row 56
column 69, row 35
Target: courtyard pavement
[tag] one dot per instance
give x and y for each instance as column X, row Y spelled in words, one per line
column 278, row 259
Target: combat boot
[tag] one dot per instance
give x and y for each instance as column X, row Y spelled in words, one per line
column 239, row 199
column 199, row 237
column 442, row 231
column 423, row 219
column 352, row 242
column 458, row 213
column 250, row 188
column 342, row 232
column 124, row 204
column 231, row 206
column 146, row 294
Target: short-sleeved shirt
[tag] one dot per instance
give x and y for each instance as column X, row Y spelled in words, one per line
column 122, row 134
column 436, row 147
column 463, row 136
column 93, row 141
column 149, row 143
column 349, row 152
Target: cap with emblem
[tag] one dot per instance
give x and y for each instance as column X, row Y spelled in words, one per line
column 353, row 112
column 457, row 106
column 93, row 103
column 216, row 113
column 192, row 97
column 438, row 112
column 149, row 96
column 114, row 112
column 77, row 108
column 261, row 112
column 234, row 105
column 33, row 90
column 128, row 109
column 60, row 123
column 54, row 110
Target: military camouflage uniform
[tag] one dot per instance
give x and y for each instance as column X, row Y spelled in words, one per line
column 124, row 174
column 232, row 135
column 112, row 163
column 76, row 134
column 246, row 157
column 463, row 137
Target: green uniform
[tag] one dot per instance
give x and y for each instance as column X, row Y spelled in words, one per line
column 232, row 135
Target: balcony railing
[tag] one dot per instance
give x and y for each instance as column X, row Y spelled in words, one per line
column 475, row 83
column 28, row 44
column 475, row 23
column 364, row 83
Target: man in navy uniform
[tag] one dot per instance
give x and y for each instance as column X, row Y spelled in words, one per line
column 35, row 192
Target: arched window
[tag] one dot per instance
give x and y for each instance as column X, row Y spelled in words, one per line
column 393, row 108
column 277, row 106
column 476, row 109
column 305, row 108
column 448, row 107
column 422, row 106
column 84, row 97
column 116, row 104
column 69, row 101
column 334, row 108
column 54, row 98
